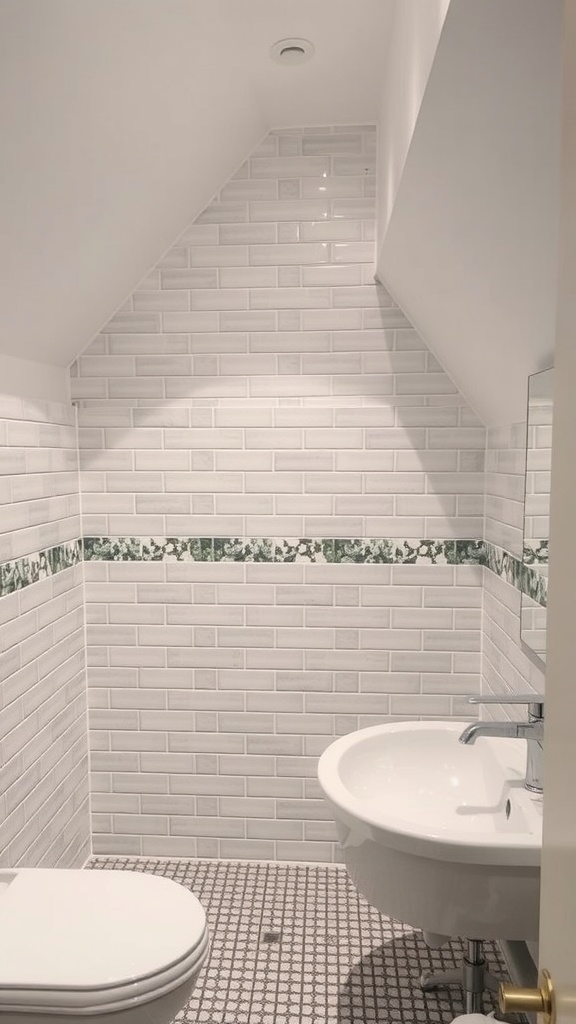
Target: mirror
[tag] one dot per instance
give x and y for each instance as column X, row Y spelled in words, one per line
column 537, row 511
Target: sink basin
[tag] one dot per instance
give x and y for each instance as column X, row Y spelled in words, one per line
column 436, row 834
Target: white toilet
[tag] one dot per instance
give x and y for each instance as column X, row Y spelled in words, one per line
column 109, row 947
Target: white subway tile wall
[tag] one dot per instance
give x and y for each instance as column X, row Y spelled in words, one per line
column 44, row 774
column 261, row 384
column 39, row 495
column 507, row 666
column 539, row 467
column 214, row 687
column 505, row 468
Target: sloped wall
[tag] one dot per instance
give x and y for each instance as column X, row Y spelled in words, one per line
column 471, row 249
column 414, row 33
column 278, row 485
column 108, row 126
column 24, row 378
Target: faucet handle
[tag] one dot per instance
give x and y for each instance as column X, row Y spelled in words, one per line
column 535, row 702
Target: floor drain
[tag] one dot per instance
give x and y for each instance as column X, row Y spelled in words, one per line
column 270, row 937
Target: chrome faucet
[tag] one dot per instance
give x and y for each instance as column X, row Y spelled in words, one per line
column 532, row 731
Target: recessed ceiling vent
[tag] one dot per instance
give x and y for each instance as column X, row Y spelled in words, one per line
column 292, row 51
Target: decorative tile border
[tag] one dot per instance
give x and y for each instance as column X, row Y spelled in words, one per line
column 535, row 585
column 524, row 577
column 21, row 572
column 276, row 549
column 536, row 552
column 310, row 550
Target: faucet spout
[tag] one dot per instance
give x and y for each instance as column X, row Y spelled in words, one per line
column 477, row 729
column 532, row 731
column 513, row 730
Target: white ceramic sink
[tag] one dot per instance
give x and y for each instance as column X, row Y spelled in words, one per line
column 440, row 835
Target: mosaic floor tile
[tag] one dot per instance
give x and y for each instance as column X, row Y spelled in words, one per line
column 296, row 944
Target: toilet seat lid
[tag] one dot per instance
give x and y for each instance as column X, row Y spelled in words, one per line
column 90, row 930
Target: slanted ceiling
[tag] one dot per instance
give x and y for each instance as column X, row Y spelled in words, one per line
column 120, row 119
column 470, row 251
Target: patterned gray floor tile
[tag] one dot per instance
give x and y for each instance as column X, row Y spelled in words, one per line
column 296, row 944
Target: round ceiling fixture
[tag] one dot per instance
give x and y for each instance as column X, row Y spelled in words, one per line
column 292, row 51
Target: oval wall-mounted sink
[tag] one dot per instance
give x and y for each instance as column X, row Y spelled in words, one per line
column 436, row 834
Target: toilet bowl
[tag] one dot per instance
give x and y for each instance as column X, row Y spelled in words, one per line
column 106, row 947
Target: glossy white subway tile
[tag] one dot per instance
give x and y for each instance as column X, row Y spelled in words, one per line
column 332, row 144
column 247, row 277
column 162, row 300
column 290, row 210
column 353, row 252
column 291, row 341
column 289, row 298
column 249, row 189
column 327, row 276
column 357, row 165
column 248, row 234
column 299, row 254
column 354, row 208
column 331, row 230
column 289, row 167
column 264, row 413
column 332, row 186
column 218, row 256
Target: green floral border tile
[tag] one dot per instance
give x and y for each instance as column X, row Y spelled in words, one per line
column 285, row 549
column 535, row 552
column 112, row 549
column 19, row 573
column 523, row 577
column 243, row 549
column 22, row 572
column 56, row 559
column 177, row 549
column 469, row 552
column 535, row 585
column 424, row 552
column 360, row 550
column 303, row 549
column 504, row 565
column 165, row 549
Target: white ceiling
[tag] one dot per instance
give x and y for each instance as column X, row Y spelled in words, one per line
column 119, row 121
column 341, row 84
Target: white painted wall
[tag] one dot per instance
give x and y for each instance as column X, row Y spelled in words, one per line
column 106, row 111
column 470, row 250
column 414, row 34
column 29, row 379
